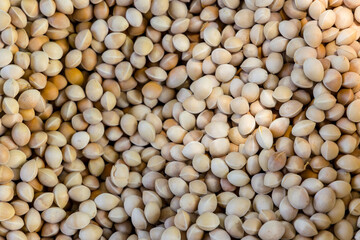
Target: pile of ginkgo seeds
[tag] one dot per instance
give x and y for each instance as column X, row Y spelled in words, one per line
column 179, row 119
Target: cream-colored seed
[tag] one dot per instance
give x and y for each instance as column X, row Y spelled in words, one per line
column 349, row 163
column 53, row 50
column 5, row 19
column 90, row 231
column 7, row 57
column 106, row 201
column 20, row 134
column 7, row 211
column 246, row 124
column 39, row 61
column 208, row 221
column 343, row 229
column 143, row 46
column 312, row 35
column 238, row 206
column 264, row 137
column 304, row 226
column 351, row 113
column 298, row 197
column 47, row 177
column 313, row 69
column 303, row 128
column 83, row 39
column 53, row 215
column 78, row 220
column 272, row 230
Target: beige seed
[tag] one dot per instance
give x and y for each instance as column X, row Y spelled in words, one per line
column 303, row 128
column 351, row 112
column 305, row 227
column 5, row 20
column 217, row 129
column 146, row 131
column 272, row 230
column 78, row 220
column 119, row 175
column 246, row 124
column 181, row 42
column 277, row 161
column 53, row 215
column 39, row 61
column 20, row 134
column 238, row 206
column 238, row 178
column 325, row 101
column 83, row 39
column 298, row 197
column 106, row 201
column 349, row 163
column 244, row 18
column 29, row 171
column 7, row 57
column 343, row 229
column 313, row 69
column 47, row 177
column 264, row 137
column 6, row 174
column 11, row 71
column 91, row 231
column 324, row 200
column 208, row 221
column 53, row 50
column 303, row 53
column 7, row 211
column 143, row 46
column 327, row 19
column 312, row 35
column 171, row 233
column 29, row 99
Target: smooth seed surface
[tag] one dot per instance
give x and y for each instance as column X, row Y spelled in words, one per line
column 169, row 120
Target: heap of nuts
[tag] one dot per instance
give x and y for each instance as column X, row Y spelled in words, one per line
column 179, row 119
